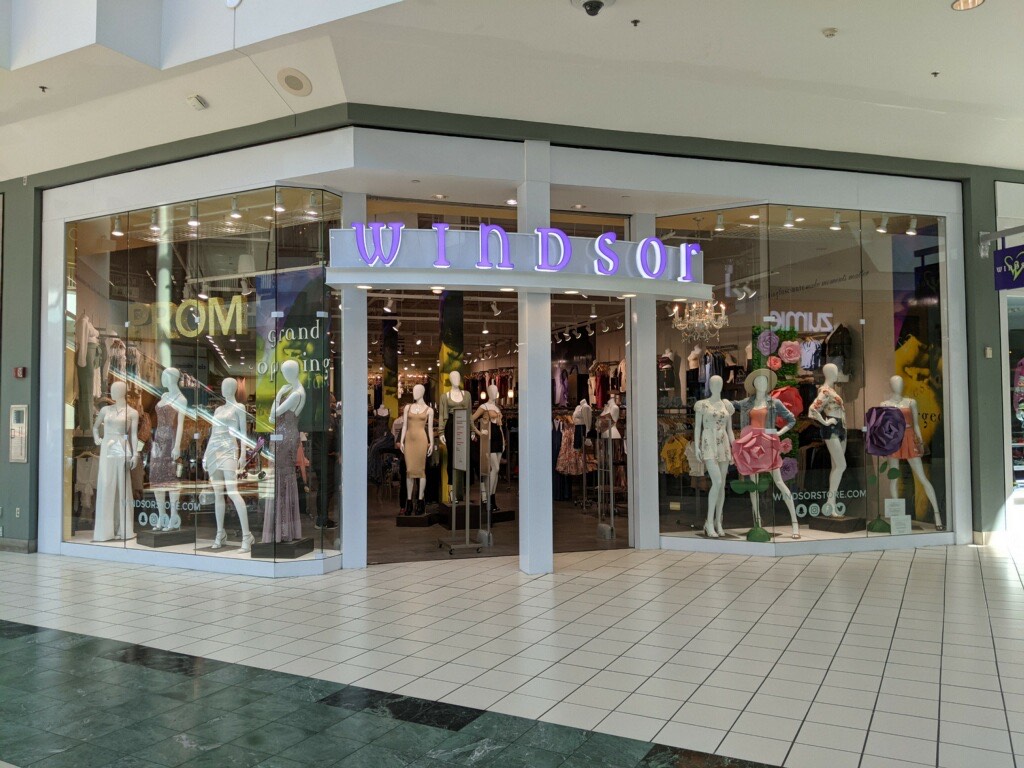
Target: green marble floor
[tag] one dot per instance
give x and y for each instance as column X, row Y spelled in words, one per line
column 74, row 701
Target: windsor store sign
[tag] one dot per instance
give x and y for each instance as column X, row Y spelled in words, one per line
column 369, row 252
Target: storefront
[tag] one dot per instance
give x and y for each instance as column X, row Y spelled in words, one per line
column 338, row 349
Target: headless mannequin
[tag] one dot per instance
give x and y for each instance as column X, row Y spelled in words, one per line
column 117, row 456
column 169, row 518
column 290, row 399
column 492, row 413
column 611, row 410
column 454, row 396
column 836, row 445
column 761, row 398
column 417, row 408
column 717, row 470
column 230, row 417
column 897, row 400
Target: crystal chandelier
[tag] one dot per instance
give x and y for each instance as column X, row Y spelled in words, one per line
column 700, row 320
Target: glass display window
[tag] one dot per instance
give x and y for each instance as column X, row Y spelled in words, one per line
column 780, row 402
column 199, row 377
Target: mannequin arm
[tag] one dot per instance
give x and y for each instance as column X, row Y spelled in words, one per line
column 405, row 423
column 476, row 415
column 82, row 342
column 96, row 426
column 917, row 421
column 290, row 403
column 176, row 449
column 784, row 412
column 698, row 428
column 133, row 431
column 430, row 431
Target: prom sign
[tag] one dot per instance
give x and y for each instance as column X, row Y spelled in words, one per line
column 364, row 251
column 1009, row 266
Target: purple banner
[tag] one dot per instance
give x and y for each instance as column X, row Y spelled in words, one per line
column 1009, row 264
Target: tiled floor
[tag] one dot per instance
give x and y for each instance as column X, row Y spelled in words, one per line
column 874, row 660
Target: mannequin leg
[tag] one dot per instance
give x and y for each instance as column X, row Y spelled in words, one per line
column 231, row 489
column 160, row 497
column 787, row 498
column 837, row 450
column 755, row 504
column 715, row 473
column 894, row 491
column 175, row 520
column 124, row 508
column 917, row 467
column 723, row 469
column 218, row 509
column 492, row 478
column 410, row 484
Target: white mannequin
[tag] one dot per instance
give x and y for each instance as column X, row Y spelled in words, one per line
column 489, row 410
column 169, row 518
column 717, row 470
column 761, row 400
column 583, row 414
column 897, row 400
column 455, row 393
column 611, row 409
column 693, row 359
column 228, row 428
column 418, row 407
column 117, row 456
column 290, row 397
column 836, row 446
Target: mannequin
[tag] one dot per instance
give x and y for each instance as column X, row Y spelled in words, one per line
column 912, row 448
column 827, row 409
column 561, row 378
column 118, row 456
column 757, row 448
column 163, row 475
column 712, row 437
column 87, row 343
column 455, row 399
column 416, row 444
column 492, row 440
column 582, row 420
column 611, row 410
column 283, row 522
column 221, row 463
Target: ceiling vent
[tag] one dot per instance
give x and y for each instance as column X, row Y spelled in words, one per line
column 295, row 82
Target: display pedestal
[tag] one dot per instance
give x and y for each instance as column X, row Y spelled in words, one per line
column 283, row 550
column 838, row 524
column 152, row 538
column 425, row 520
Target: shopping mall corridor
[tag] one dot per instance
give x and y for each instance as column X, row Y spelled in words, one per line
column 619, row 659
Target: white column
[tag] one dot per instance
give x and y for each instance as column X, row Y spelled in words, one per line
column 353, row 414
column 642, row 414
column 353, row 427
column 536, row 547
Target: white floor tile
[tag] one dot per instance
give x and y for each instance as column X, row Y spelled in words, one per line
column 754, row 748
column 574, row 715
column 630, row 726
column 690, row 736
column 806, row 756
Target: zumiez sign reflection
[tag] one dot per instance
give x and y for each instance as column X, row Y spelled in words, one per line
column 546, row 250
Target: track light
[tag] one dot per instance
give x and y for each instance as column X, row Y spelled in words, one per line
column 883, row 228
column 966, row 5
column 278, row 202
column 673, row 310
column 313, row 208
column 204, row 292
column 590, row 330
column 418, row 342
column 235, row 213
column 153, row 226
column 604, row 327
column 593, row 312
column 576, row 333
column 912, row 229
column 398, row 325
column 789, row 223
column 117, row 231
column 720, row 223
column 566, row 334
column 390, row 306
column 193, row 215
column 494, row 308
column 485, row 331
column 836, row 224
column 620, row 325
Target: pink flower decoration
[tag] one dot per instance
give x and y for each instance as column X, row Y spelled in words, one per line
column 787, row 446
column 774, row 363
column 789, row 351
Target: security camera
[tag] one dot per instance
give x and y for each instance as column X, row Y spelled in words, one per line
column 592, row 7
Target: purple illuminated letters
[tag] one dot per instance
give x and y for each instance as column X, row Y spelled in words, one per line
column 376, row 232
column 545, row 236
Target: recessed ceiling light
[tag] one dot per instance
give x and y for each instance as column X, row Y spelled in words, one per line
column 571, row 292
column 511, row 201
column 629, row 295
column 294, row 81
column 755, row 215
column 798, row 219
column 578, row 206
column 439, row 196
column 414, row 181
column 437, row 290
column 507, row 290
column 365, row 287
column 966, row 5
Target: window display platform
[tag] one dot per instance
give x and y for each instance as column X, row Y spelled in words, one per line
column 810, row 541
column 228, row 559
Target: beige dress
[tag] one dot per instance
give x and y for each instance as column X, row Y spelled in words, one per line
column 416, row 443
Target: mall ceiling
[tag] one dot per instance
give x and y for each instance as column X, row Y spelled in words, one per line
column 744, row 70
